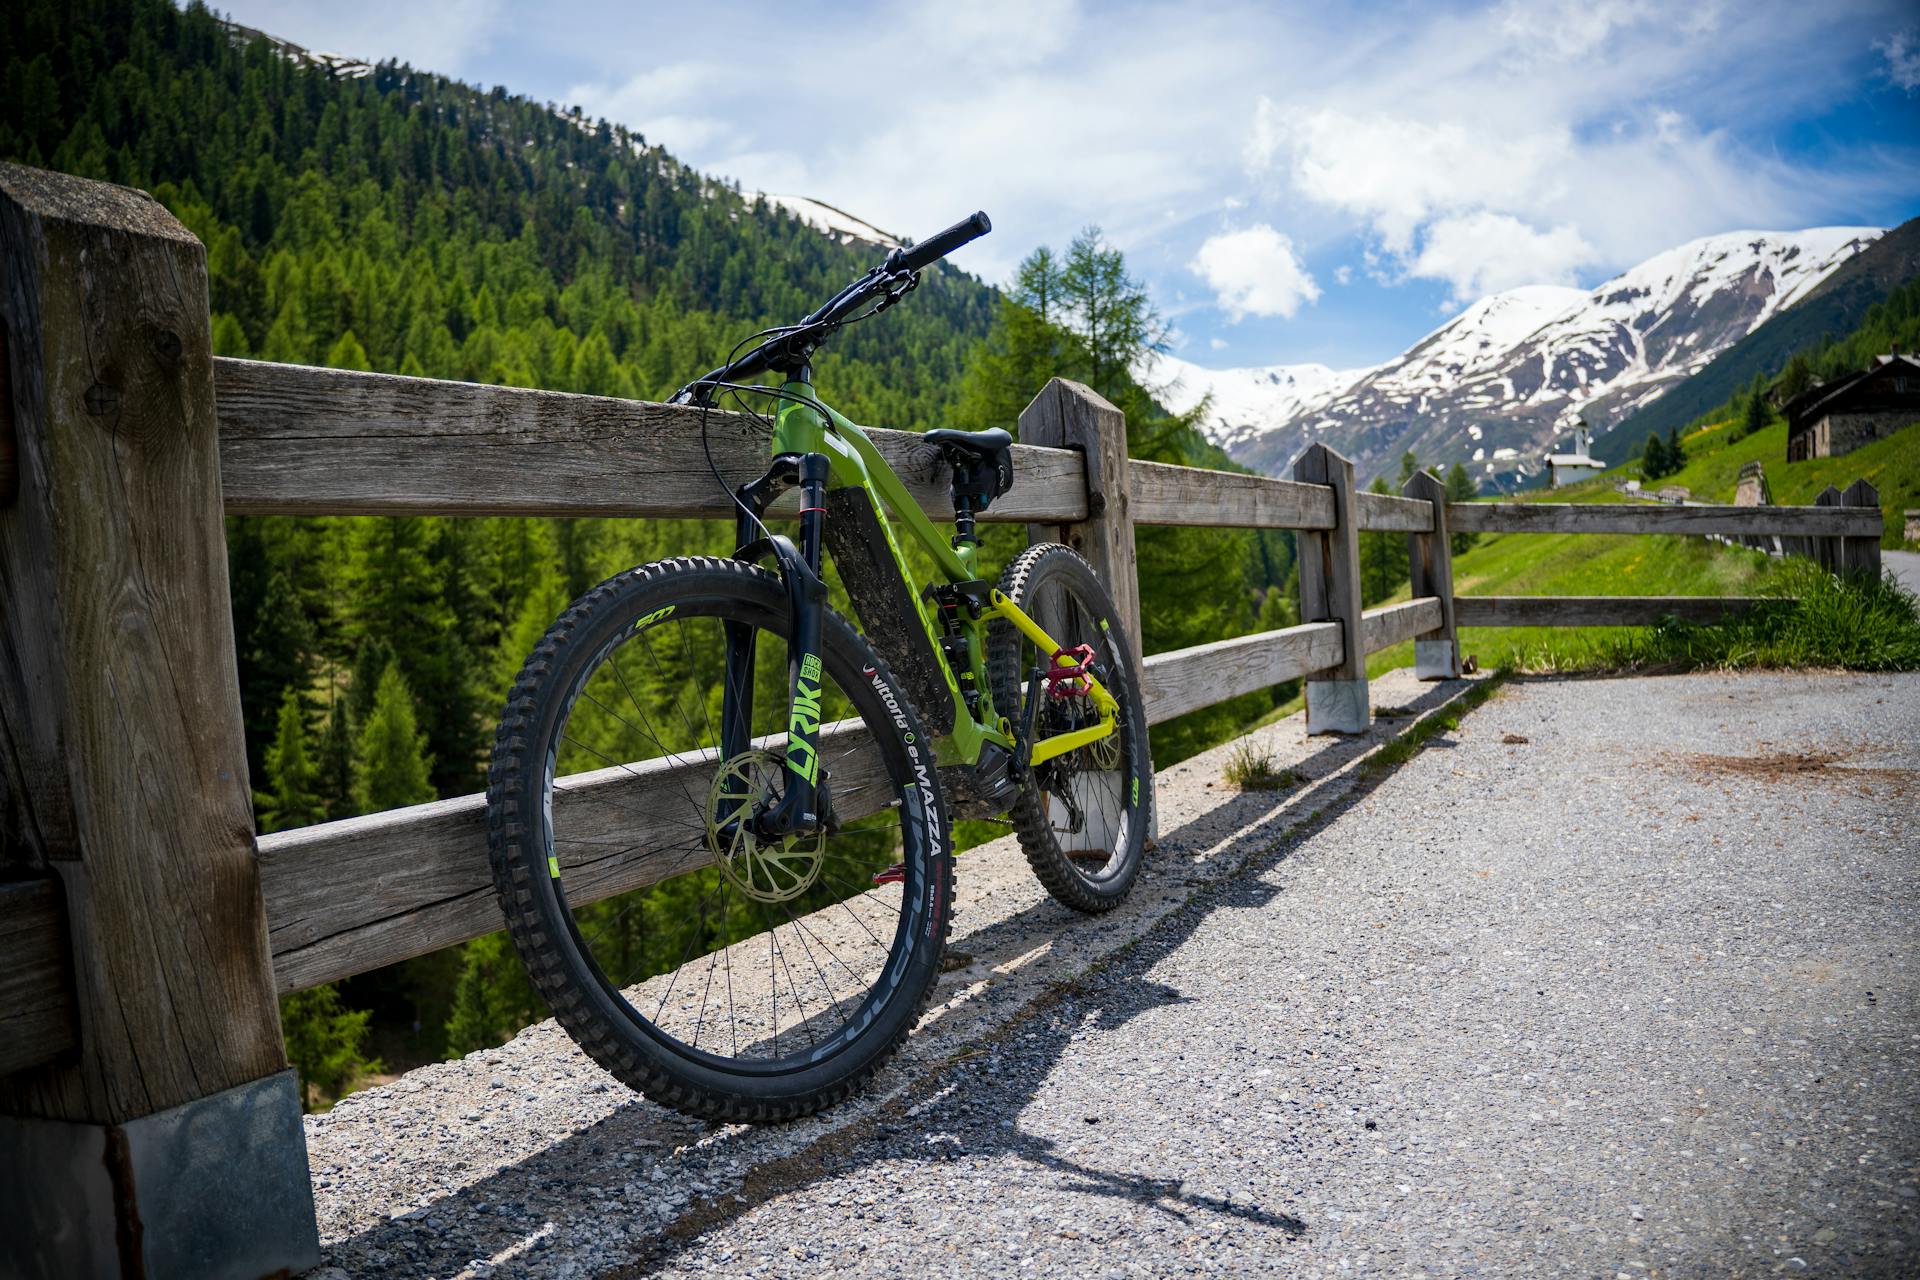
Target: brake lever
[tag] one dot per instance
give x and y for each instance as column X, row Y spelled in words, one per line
column 897, row 292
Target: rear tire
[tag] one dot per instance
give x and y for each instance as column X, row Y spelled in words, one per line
column 1082, row 818
column 590, row 955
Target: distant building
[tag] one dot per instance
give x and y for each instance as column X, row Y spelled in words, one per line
column 1839, row 416
column 1565, row 468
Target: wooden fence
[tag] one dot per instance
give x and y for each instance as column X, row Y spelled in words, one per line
column 145, row 933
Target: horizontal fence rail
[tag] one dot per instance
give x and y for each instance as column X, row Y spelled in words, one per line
column 1602, row 517
column 344, row 897
column 298, row 440
column 1166, row 494
column 1600, row 611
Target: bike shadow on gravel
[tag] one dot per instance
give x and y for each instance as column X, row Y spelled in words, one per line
column 570, row 1205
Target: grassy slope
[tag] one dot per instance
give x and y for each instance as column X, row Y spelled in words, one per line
column 1714, row 462
column 1521, row 564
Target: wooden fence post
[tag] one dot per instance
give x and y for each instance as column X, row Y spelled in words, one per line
column 1436, row 653
column 1068, row 415
column 1860, row 557
column 168, row 1142
column 1330, row 592
column 1826, row 551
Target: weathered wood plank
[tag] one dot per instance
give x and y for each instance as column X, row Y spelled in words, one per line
column 1388, row 625
column 299, row 440
column 1330, row 592
column 1860, row 556
column 1165, row 494
column 125, row 749
column 36, row 991
column 1068, row 415
column 1430, row 573
column 1598, row 611
column 1391, row 513
column 1187, row 679
column 1597, row 517
column 344, row 897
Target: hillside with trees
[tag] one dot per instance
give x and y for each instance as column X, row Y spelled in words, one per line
column 400, row 222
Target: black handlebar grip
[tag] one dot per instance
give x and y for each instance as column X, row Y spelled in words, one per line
column 937, row 247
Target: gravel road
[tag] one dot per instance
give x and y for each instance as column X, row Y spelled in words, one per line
column 1905, row 566
column 1618, row 979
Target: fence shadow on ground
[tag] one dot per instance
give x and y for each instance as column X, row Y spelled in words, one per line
column 956, row 1098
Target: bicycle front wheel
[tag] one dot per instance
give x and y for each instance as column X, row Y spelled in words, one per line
column 730, row 977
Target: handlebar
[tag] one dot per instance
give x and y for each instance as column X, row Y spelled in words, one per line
column 928, row 252
column 889, row 281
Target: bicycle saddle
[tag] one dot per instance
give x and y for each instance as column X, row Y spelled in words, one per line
column 979, row 444
column 982, row 463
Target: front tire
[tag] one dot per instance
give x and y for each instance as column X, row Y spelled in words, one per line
column 799, row 966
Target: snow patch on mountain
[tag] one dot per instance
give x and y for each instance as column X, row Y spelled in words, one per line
column 838, row 223
column 1245, row 401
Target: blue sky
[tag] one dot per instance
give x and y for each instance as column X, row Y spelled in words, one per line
column 1294, row 182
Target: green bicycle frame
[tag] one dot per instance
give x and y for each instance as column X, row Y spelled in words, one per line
column 804, row 425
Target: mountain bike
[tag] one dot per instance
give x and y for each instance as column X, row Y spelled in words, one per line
column 720, row 816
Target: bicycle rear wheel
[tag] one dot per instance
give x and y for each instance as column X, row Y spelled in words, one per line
column 1082, row 818
column 729, row 977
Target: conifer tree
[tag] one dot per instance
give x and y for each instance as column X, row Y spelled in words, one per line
column 390, row 764
column 326, row 1043
column 291, row 796
column 347, row 353
column 1653, row 458
column 492, row 998
column 334, row 768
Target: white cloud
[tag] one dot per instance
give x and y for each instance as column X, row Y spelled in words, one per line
column 1397, row 171
column 1254, row 272
column 1217, row 344
column 1480, row 253
column 1902, row 52
column 1568, row 29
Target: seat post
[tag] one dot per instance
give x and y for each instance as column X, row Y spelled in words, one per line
column 963, row 535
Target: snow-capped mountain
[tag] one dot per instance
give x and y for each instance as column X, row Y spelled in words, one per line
column 1497, row 383
column 1246, row 402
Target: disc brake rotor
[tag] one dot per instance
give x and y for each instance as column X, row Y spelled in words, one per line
column 764, row 870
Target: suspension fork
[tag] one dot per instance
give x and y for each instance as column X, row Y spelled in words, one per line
column 799, row 807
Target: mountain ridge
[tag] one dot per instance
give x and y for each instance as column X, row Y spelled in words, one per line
column 1496, row 384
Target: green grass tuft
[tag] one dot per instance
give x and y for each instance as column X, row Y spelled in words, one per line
column 1818, row 621
column 1253, row 768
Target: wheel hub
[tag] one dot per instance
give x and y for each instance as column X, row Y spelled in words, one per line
column 765, row 870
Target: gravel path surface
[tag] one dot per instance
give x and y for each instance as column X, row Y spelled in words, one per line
column 1617, row 978
column 1905, row 566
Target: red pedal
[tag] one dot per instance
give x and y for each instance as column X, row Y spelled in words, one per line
column 895, row 874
